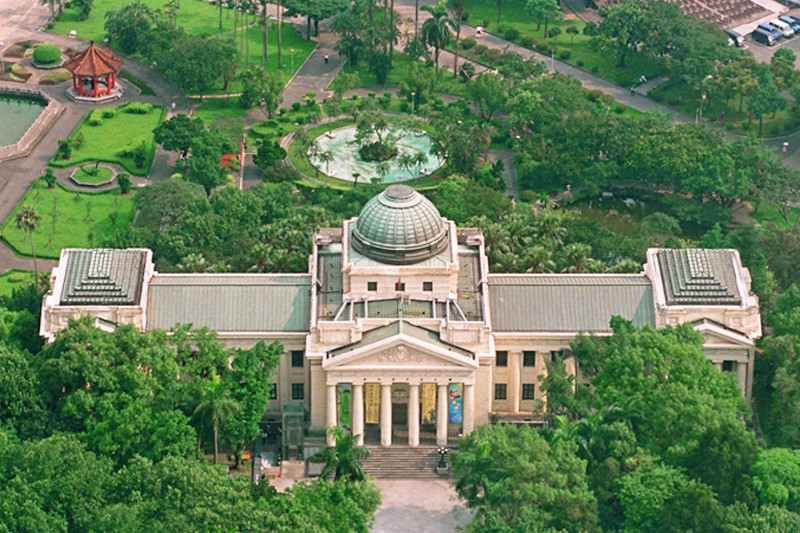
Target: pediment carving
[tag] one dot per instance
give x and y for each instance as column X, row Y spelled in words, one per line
column 398, row 356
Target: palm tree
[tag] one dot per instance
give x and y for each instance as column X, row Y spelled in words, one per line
column 538, row 259
column 382, row 169
column 343, row 460
column 405, row 161
column 28, row 219
column 215, row 406
column 577, row 256
column 436, row 30
column 356, row 175
column 458, row 10
column 420, row 158
column 326, row 157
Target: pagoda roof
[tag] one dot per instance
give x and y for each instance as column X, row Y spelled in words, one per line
column 93, row 62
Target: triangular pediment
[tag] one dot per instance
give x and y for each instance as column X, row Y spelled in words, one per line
column 717, row 335
column 401, row 350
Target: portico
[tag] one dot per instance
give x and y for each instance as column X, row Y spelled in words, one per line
column 403, row 366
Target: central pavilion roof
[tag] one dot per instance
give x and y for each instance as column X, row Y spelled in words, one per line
column 103, row 277
column 699, row 277
column 93, row 62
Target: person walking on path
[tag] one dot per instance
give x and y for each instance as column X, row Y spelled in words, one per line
column 326, row 59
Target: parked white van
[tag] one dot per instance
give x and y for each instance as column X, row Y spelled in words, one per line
column 784, row 28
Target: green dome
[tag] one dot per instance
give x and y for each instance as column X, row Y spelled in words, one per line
column 400, row 226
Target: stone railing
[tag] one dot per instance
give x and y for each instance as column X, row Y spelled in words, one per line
column 36, row 130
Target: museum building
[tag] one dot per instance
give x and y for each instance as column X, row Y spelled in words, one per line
column 400, row 332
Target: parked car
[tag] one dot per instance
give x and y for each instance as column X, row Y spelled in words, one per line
column 782, row 27
column 777, row 35
column 736, row 38
column 763, row 37
column 791, row 22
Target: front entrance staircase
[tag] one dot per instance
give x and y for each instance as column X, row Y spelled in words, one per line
column 403, row 462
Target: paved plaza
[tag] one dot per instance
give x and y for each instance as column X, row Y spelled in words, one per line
column 419, row 506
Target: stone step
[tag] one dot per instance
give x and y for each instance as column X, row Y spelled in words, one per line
column 403, row 462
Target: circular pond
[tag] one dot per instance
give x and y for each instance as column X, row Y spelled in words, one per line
column 346, row 161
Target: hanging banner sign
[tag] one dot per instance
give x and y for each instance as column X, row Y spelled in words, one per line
column 428, row 391
column 455, row 404
column 345, row 404
column 372, row 401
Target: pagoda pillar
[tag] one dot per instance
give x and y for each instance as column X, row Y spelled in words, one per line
column 94, row 83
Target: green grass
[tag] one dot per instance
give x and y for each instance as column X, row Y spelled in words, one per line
column 768, row 213
column 103, row 142
column 14, row 279
column 445, row 83
column 69, row 219
column 86, row 174
column 55, row 77
column 201, row 18
column 582, row 53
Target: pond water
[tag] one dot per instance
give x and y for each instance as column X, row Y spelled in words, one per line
column 17, row 113
column 346, row 160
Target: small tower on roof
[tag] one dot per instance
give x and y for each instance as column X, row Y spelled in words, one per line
column 94, row 72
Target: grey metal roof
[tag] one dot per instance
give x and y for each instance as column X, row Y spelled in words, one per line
column 568, row 302
column 699, row 277
column 400, row 226
column 396, row 328
column 225, row 302
column 103, row 276
column 469, row 275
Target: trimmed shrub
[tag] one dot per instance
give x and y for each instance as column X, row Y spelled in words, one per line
column 468, row 43
column 131, row 149
column 526, row 41
column 620, row 109
column 95, row 117
column 511, row 34
column 108, row 112
column 543, row 47
column 405, row 107
column 465, row 17
column 492, row 55
column 47, row 54
column 579, row 62
column 528, row 195
column 480, row 49
column 564, row 54
column 125, row 183
column 296, row 106
column 137, row 108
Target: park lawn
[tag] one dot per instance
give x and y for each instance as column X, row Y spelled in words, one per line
column 86, row 174
column 767, row 212
column 14, row 279
column 734, row 120
column 445, row 82
column 103, row 142
column 69, row 219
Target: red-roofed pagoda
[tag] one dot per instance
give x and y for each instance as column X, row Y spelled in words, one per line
column 94, row 71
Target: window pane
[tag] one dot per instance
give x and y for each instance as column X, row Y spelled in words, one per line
column 372, row 285
column 502, row 359
column 297, row 391
column 297, row 358
column 528, row 391
column 427, row 286
column 500, row 391
column 528, row 358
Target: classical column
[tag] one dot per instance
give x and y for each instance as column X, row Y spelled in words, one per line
column 386, row 414
column 331, row 419
column 741, row 376
column 514, row 394
column 441, row 415
column 358, row 413
column 469, row 408
column 413, row 414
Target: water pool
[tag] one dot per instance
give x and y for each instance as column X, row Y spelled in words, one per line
column 17, row 113
column 346, row 160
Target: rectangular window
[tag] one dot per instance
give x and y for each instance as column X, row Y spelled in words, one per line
column 528, row 358
column 559, row 354
column 427, row 286
column 297, row 358
column 273, row 392
column 501, row 359
column 297, row 391
column 372, row 286
column 528, row 391
column 500, row 391
column 400, row 286
column 727, row 366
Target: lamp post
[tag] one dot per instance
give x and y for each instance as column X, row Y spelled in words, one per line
column 702, row 105
column 413, row 100
column 292, row 51
column 442, row 457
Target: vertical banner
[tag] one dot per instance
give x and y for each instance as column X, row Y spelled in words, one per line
column 428, row 392
column 455, row 402
column 372, row 399
column 345, row 401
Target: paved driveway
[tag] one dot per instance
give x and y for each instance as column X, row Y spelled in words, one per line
column 419, row 506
